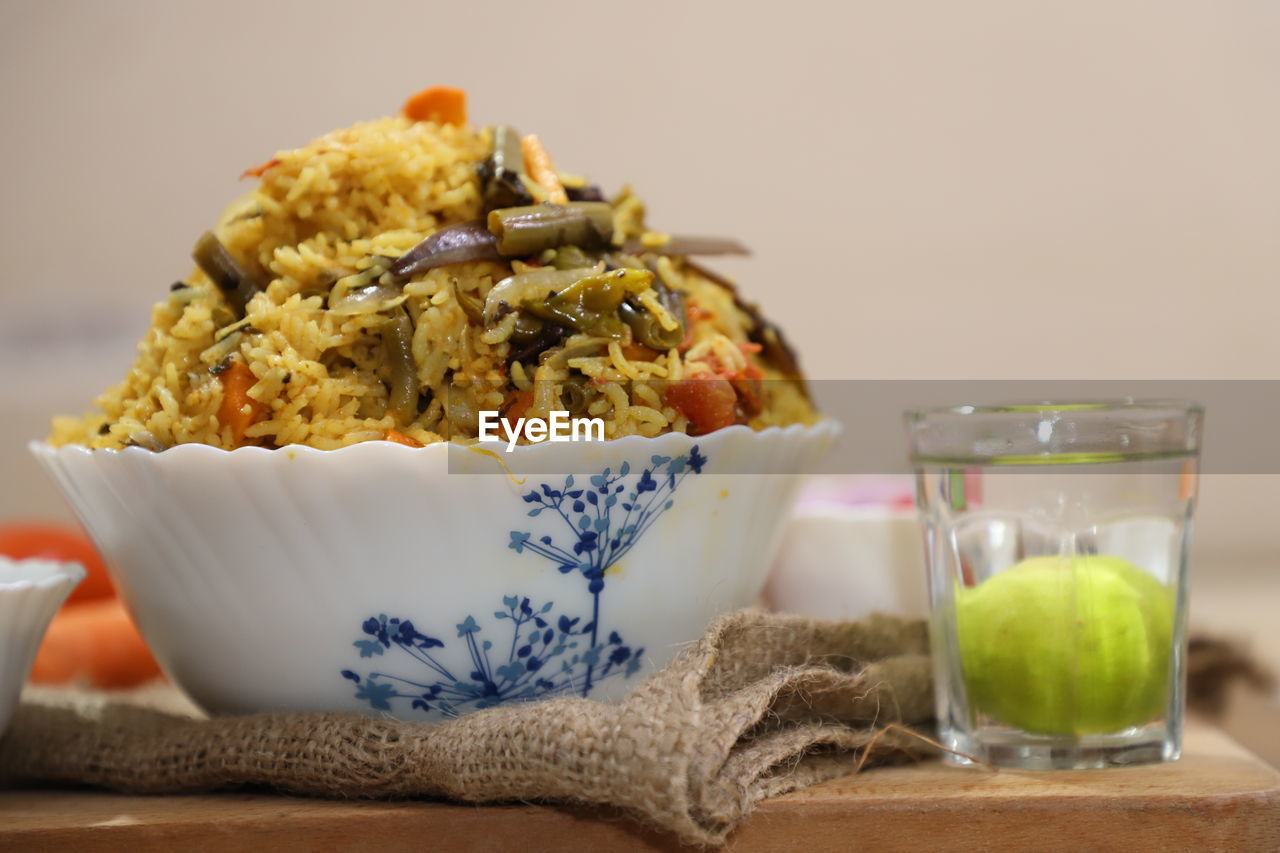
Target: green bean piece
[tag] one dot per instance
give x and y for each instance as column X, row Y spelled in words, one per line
column 528, row 329
column 238, row 285
column 471, row 305
column 572, row 258
column 646, row 329
column 397, row 342
column 536, row 346
column 500, row 174
column 529, row 230
column 590, row 305
column 573, row 395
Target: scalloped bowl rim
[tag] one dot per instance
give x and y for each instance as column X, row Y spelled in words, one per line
column 43, row 573
column 825, row 427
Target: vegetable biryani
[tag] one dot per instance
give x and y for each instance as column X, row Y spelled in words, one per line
column 394, row 279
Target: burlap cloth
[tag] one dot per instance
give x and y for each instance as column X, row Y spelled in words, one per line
column 763, row 704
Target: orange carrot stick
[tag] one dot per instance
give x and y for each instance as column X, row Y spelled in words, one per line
column 538, row 165
column 61, row 542
column 95, row 642
column 400, row 438
column 259, row 170
column 441, row 104
column 238, row 409
column 514, row 408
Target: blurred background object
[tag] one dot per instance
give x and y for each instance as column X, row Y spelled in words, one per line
column 92, row 639
column 993, row 189
column 853, row 548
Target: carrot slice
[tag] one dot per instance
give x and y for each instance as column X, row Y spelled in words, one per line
column 400, row 438
column 259, row 170
column 63, row 543
column 696, row 313
column 238, row 409
column 97, row 642
column 538, row 165
column 441, row 104
column 516, row 404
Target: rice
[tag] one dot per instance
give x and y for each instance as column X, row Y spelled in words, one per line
column 337, row 208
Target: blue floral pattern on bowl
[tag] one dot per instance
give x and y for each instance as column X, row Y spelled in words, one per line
column 529, row 651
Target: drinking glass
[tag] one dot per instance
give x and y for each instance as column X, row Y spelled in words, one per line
column 1056, row 542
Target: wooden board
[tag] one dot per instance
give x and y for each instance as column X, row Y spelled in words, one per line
column 1217, row 798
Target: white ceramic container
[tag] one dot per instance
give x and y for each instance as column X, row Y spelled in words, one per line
column 846, row 562
column 426, row 582
column 31, row 591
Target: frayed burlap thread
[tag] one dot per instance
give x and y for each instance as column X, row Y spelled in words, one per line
column 762, row 705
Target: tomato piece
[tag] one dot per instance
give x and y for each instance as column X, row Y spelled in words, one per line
column 63, row 543
column 750, row 393
column 709, row 404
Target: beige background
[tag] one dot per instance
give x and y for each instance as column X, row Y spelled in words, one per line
column 990, row 188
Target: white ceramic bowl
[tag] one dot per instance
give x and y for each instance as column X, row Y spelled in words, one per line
column 425, row 582
column 31, row 591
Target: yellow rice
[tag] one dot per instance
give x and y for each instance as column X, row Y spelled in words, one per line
column 319, row 214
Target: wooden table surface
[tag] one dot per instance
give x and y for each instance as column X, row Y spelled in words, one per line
column 1219, row 797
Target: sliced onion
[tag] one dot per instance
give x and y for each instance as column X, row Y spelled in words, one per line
column 516, row 290
column 559, row 357
column 466, row 241
column 223, row 348
column 144, row 439
column 362, row 293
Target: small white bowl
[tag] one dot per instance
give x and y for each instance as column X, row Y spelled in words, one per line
column 425, row 582
column 31, row 591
